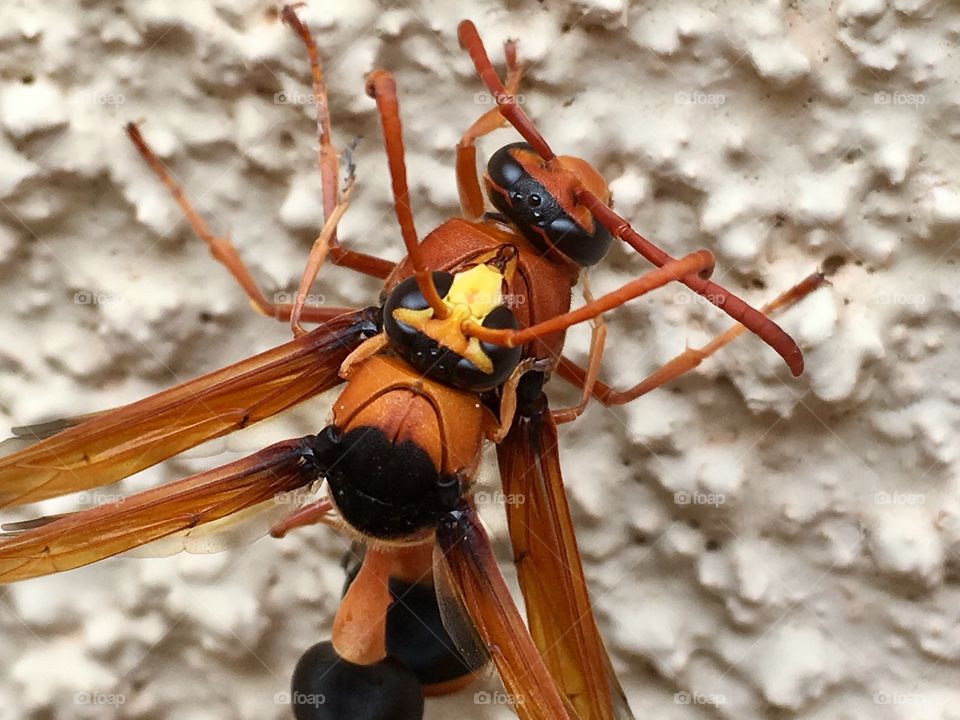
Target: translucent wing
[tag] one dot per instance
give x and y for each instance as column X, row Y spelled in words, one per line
column 230, row 532
column 550, row 572
column 267, row 478
column 111, row 445
column 27, row 435
column 465, row 558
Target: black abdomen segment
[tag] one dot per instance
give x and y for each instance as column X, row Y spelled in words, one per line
column 415, row 632
column 384, row 489
column 416, row 635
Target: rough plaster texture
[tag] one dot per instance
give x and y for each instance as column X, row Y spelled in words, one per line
column 757, row 546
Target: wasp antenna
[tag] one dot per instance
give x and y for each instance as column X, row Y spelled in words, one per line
column 383, row 89
column 674, row 270
column 471, row 42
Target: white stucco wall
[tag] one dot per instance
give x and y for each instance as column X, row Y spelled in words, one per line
column 757, row 546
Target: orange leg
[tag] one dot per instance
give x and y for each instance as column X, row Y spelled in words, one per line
column 318, row 253
column 508, row 400
column 311, row 514
column 598, row 339
column 221, row 248
column 685, row 361
column 673, row 270
column 468, row 181
column 328, row 161
column 364, row 351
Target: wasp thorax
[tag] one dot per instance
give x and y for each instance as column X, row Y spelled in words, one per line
column 440, row 347
column 539, row 198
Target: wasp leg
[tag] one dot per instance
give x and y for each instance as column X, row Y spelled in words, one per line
column 598, row 339
column 327, row 156
column 682, row 363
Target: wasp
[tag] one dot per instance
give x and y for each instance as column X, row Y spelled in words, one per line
column 469, row 327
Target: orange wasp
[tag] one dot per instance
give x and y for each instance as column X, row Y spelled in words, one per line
column 442, row 365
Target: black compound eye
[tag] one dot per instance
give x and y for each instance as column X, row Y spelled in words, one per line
column 427, row 356
column 407, row 295
column 538, row 214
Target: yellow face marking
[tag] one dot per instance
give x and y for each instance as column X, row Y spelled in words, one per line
column 473, row 294
column 479, row 289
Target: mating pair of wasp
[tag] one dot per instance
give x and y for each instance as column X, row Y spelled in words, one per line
column 469, row 327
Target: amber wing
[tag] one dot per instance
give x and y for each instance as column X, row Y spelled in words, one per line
column 465, row 559
column 115, row 444
column 550, row 572
column 70, row 541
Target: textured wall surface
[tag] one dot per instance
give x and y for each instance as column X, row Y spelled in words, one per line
column 757, row 546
